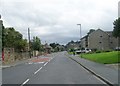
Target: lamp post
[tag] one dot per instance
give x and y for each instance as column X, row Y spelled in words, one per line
column 80, row 30
column 80, row 37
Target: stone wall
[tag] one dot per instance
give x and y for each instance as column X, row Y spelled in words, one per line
column 11, row 56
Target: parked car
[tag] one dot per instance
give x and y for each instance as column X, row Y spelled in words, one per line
column 86, row 50
column 117, row 48
column 78, row 51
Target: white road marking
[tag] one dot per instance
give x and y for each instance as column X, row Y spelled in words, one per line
column 30, row 63
column 25, row 82
column 45, row 63
column 39, row 63
column 86, row 70
column 99, row 79
column 38, row 70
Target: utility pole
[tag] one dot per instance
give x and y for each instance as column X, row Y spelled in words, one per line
column 29, row 42
column 80, row 37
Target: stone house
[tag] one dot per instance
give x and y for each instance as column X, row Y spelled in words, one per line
column 73, row 45
column 47, row 48
column 100, row 40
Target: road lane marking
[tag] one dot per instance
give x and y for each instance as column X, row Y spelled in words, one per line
column 38, row 70
column 45, row 63
column 39, row 63
column 25, row 82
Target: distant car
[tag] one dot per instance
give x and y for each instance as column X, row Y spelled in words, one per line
column 117, row 48
column 86, row 50
column 78, row 51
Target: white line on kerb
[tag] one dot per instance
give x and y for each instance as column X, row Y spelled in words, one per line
column 25, row 82
column 38, row 70
column 99, row 79
column 45, row 63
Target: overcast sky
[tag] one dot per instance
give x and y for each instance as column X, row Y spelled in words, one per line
column 56, row 20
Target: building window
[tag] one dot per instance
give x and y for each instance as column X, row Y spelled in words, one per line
column 100, row 42
column 111, row 42
column 101, row 36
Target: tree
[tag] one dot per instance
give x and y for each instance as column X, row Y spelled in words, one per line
column 90, row 31
column 13, row 39
column 36, row 43
column 53, row 45
column 116, row 30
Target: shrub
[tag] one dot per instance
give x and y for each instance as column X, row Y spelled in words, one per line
column 94, row 49
column 98, row 51
column 107, row 51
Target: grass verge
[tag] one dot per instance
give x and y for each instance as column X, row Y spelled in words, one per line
column 104, row 58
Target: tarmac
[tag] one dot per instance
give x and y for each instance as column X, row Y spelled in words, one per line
column 107, row 72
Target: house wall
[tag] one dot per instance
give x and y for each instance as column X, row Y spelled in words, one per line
column 11, row 56
column 113, row 42
column 83, row 42
column 73, row 46
column 99, row 40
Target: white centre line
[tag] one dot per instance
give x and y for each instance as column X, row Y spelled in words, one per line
column 46, row 63
column 25, row 82
column 38, row 70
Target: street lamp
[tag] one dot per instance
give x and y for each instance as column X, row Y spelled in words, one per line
column 80, row 30
column 80, row 36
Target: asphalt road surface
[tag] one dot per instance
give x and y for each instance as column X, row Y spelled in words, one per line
column 58, row 70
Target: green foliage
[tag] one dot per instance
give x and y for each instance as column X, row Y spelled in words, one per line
column 98, row 51
column 13, row 39
column 36, row 44
column 53, row 45
column 56, row 47
column 90, row 31
column 116, row 30
column 71, row 50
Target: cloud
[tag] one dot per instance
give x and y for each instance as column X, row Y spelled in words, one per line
column 56, row 20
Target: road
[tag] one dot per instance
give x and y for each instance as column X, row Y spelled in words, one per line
column 58, row 70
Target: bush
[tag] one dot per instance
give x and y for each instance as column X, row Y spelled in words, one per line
column 107, row 51
column 98, row 51
column 94, row 49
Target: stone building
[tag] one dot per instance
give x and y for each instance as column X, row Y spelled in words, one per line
column 100, row 40
column 73, row 45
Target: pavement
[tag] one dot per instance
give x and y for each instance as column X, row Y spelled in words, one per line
column 108, row 73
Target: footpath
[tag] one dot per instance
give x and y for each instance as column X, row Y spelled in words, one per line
column 33, row 59
column 108, row 73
